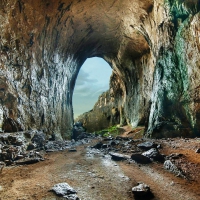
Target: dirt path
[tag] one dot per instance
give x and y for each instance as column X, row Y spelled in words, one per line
column 95, row 177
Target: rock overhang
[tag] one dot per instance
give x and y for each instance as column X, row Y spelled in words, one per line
column 44, row 43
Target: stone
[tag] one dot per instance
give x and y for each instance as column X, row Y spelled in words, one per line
column 98, row 145
column 31, row 146
column 141, row 190
column 197, row 150
column 154, row 154
column 27, row 161
column 2, row 165
column 122, row 138
column 113, row 143
column 39, row 139
column 72, row 197
column 78, row 131
column 168, row 165
column 72, row 150
column 147, row 145
column 63, row 189
column 174, row 156
column 138, row 158
column 104, row 146
column 118, row 156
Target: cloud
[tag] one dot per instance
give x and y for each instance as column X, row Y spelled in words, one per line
column 92, row 80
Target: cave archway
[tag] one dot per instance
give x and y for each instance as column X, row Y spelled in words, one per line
column 93, row 79
column 145, row 42
column 45, row 62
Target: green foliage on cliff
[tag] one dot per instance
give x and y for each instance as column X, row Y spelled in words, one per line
column 111, row 131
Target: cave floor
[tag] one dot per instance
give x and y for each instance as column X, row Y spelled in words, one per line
column 96, row 177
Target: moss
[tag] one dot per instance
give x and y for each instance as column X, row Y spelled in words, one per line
column 111, row 131
column 181, row 9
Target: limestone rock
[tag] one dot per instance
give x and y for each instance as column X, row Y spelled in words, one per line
column 98, row 145
column 168, row 165
column 119, row 156
column 141, row 190
column 140, row 158
column 63, row 189
column 197, row 150
column 154, row 155
column 146, row 145
column 39, row 139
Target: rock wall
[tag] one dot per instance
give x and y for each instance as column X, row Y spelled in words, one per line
column 153, row 47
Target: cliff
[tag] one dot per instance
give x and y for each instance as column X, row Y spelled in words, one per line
column 153, row 47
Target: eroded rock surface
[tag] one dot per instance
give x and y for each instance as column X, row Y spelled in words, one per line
column 153, row 47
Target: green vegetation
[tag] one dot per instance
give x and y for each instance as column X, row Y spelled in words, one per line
column 111, row 131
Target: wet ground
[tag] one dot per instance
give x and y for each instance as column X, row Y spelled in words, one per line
column 96, row 176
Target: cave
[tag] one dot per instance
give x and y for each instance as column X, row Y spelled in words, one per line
column 152, row 49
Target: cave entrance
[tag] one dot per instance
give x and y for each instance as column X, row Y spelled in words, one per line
column 93, row 79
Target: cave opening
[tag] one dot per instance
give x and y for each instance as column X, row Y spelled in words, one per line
column 92, row 80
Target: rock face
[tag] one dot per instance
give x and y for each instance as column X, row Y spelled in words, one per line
column 153, row 47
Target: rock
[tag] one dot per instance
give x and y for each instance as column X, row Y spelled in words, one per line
column 78, row 131
column 83, row 135
column 72, row 150
column 197, row 150
column 113, row 142
column 78, row 124
column 27, row 161
column 108, row 138
column 39, row 139
column 58, row 145
column 141, row 190
column 122, row 138
column 63, row 189
column 154, row 154
column 168, row 165
column 118, row 156
column 147, row 145
column 2, row 165
column 104, row 146
column 98, row 145
column 140, row 159
column 174, row 156
column 72, row 197
column 31, row 146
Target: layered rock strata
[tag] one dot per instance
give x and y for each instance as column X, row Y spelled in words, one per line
column 153, row 47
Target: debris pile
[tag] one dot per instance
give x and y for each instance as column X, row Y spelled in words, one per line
column 29, row 147
column 141, row 151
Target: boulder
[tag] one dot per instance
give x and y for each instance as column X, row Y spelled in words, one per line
column 140, row 159
column 154, row 155
column 63, row 189
column 141, row 190
column 197, row 150
column 78, row 131
column 147, row 145
column 39, row 139
column 71, row 197
column 170, row 166
column 31, row 146
column 118, row 156
column 98, row 145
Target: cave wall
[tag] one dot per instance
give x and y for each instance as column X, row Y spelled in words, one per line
column 153, row 47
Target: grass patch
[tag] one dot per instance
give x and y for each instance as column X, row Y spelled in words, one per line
column 111, row 131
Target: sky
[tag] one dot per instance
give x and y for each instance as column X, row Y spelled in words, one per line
column 93, row 79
